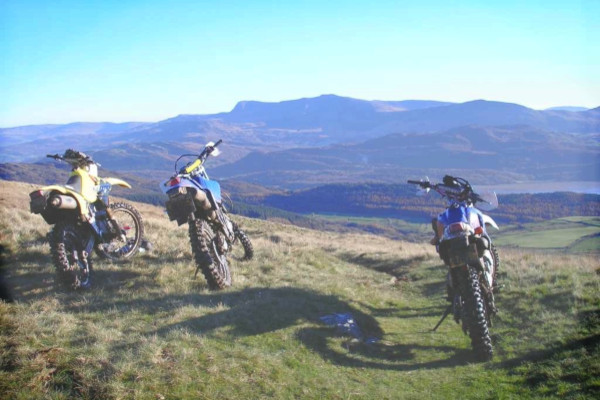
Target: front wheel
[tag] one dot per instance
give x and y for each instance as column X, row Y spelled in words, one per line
column 209, row 255
column 245, row 242
column 496, row 267
column 476, row 317
column 72, row 263
column 129, row 238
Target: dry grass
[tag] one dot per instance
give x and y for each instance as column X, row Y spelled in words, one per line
column 149, row 330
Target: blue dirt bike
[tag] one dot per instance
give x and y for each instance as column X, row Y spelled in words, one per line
column 463, row 243
column 196, row 200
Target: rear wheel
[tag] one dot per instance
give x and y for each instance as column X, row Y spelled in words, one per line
column 124, row 245
column 73, row 265
column 476, row 317
column 209, row 256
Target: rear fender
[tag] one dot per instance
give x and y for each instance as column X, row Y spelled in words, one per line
column 168, row 185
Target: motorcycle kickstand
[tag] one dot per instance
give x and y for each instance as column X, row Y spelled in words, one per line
column 448, row 310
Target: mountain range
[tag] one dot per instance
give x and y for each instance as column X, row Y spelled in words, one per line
column 498, row 154
column 306, row 142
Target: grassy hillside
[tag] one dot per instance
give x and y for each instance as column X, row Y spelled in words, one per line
column 149, row 330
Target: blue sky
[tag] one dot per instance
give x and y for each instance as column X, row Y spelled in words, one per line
column 128, row 60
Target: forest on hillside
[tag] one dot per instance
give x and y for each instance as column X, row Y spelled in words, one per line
column 361, row 199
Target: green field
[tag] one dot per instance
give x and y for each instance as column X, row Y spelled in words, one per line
column 389, row 227
column 149, row 330
column 573, row 234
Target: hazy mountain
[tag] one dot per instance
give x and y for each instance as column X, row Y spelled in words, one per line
column 490, row 153
column 28, row 143
column 310, row 122
column 311, row 141
column 491, row 113
column 332, row 119
column 160, row 156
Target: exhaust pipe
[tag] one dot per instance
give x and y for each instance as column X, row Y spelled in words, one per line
column 63, row 202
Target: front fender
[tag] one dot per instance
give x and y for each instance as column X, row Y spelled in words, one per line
column 117, row 182
column 487, row 220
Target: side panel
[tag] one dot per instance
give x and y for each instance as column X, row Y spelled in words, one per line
column 212, row 186
column 83, row 203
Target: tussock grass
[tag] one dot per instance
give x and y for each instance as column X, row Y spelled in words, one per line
column 149, row 330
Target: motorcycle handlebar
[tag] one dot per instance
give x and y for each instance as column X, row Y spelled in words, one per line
column 208, row 150
column 420, row 183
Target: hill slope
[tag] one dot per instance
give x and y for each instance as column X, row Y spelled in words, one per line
column 149, row 330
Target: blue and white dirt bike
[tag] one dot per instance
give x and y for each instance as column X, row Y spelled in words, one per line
column 196, row 200
column 463, row 243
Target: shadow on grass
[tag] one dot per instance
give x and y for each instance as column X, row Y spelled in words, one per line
column 258, row 311
column 30, row 283
column 381, row 355
column 248, row 312
column 37, row 281
column 406, row 312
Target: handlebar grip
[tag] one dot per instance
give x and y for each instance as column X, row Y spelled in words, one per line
column 414, row 182
column 218, row 142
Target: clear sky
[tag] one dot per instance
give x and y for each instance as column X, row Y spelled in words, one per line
column 128, row 60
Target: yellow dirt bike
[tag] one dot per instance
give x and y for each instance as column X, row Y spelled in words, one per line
column 84, row 220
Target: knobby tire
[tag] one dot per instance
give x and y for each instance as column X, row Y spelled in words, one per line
column 245, row 241
column 63, row 241
column 476, row 315
column 207, row 256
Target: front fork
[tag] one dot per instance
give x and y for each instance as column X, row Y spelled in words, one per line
column 227, row 239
